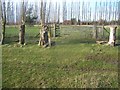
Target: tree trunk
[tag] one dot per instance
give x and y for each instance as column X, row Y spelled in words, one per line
column 22, row 34
column 0, row 33
column 44, row 37
column 3, row 21
column 44, row 34
column 112, row 36
column 22, row 26
column 3, row 33
column 0, row 22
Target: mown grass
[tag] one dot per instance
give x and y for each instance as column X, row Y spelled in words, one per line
column 76, row 61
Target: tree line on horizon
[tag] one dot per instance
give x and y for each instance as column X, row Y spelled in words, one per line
column 72, row 13
column 47, row 13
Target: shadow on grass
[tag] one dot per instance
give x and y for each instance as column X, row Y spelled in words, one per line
column 10, row 40
column 76, row 41
column 15, row 39
column 118, row 44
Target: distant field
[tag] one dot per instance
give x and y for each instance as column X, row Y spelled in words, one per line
column 75, row 60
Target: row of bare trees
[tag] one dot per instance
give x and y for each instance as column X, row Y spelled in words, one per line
column 101, row 12
column 44, row 34
column 44, row 39
column 79, row 11
column 50, row 13
column 3, row 22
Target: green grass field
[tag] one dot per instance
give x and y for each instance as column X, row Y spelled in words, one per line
column 75, row 61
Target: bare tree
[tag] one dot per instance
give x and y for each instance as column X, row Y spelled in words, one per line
column 110, row 12
column 58, row 21
column 8, row 12
column 71, row 12
column 48, row 12
column 90, row 15
column 83, row 12
column 95, row 14
column 22, row 26
column 106, row 10
column 86, row 13
column 101, row 10
column 55, row 13
column 79, row 13
column 17, row 14
column 116, row 10
column 100, row 13
column 64, row 11
column 12, row 12
column 55, row 18
column 0, row 21
column 113, row 13
column 3, row 19
column 44, row 34
column 44, row 12
column 10, row 16
column 42, row 22
column 95, row 35
column 36, row 11
column 118, row 13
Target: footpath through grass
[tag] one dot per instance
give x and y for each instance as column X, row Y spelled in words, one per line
column 73, row 62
